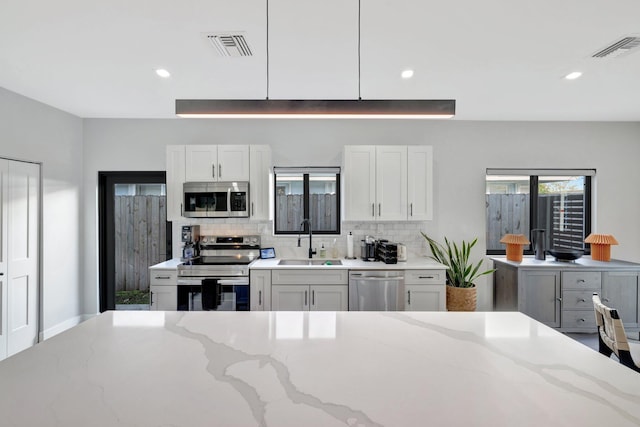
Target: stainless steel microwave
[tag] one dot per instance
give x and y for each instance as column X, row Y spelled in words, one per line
column 216, row 200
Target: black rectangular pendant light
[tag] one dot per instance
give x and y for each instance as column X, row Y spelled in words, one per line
column 305, row 109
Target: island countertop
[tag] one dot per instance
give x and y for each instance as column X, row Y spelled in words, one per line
column 314, row 369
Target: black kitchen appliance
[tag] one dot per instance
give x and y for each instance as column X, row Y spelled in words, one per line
column 190, row 237
column 368, row 249
column 219, row 278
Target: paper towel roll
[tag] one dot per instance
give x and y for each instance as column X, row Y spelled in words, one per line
column 350, row 245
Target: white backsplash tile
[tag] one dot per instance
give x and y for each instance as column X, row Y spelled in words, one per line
column 404, row 232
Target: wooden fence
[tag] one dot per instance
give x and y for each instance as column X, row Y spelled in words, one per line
column 323, row 210
column 140, row 224
column 563, row 220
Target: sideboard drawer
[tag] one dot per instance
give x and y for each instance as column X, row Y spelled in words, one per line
column 579, row 319
column 577, row 300
column 581, row 280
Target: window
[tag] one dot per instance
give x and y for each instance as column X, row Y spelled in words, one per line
column 302, row 193
column 558, row 201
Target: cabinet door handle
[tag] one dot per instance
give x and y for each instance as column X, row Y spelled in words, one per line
column 260, row 298
column 409, row 297
column 181, row 210
column 426, row 277
column 305, row 298
column 213, row 171
column 219, row 170
column 163, row 277
column 253, row 212
column 559, row 299
column 1, row 273
column 151, row 298
column 411, row 209
column 379, row 209
column 313, row 297
column 373, row 209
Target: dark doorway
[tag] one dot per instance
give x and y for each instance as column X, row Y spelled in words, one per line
column 133, row 234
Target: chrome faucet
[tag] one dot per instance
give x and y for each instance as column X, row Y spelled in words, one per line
column 307, row 221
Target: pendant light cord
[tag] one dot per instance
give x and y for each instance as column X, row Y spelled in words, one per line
column 359, row 92
column 268, row 49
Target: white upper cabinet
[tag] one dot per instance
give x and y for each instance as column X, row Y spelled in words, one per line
column 359, row 182
column 391, row 183
column 175, row 180
column 260, row 163
column 387, row 183
column 210, row 163
column 420, row 182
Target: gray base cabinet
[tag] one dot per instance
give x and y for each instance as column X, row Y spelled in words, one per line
column 559, row 294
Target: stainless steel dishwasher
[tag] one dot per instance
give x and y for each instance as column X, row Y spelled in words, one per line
column 376, row 290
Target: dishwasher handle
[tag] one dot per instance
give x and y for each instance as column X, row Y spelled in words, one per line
column 380, row 278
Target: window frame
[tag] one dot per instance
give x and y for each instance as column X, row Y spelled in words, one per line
column 534, row 175
column 306, row 172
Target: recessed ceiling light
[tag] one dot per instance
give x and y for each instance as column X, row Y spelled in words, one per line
column 407, row 74
column 163, row 73
column 573, row 76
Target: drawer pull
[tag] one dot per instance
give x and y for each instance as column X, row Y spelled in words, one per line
column 426, row 277
column 260, row 298
column 605, row 299
column 581, row 320
column 559, row 299
column 163, row 277
column 580, row 280
column 409, row 297
column 582, row 300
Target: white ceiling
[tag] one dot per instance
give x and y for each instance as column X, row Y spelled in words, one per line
column 500, row 59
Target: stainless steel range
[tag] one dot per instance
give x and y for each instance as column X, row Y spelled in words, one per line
column 218, row 279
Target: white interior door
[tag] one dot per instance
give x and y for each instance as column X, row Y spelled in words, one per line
column 22, row 255
column 4, row 169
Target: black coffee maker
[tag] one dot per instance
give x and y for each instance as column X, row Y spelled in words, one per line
column 190, row 238
column 368, row 249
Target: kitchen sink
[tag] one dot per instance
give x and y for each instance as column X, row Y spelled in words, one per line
column 309, row 262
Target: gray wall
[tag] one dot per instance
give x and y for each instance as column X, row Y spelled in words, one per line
column 462, row 152
column 32, row 131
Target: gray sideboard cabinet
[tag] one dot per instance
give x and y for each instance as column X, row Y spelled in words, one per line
column 558, row 294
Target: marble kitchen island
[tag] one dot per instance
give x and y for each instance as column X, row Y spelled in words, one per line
column 315, row 369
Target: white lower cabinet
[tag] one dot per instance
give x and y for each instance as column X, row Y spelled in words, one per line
column 307, row 297
column 301, row 290
column 164, row 289
column 260, row 290
column 425, row 290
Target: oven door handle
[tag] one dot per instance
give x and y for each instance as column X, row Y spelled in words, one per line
column 191, row 282
column 233, row 282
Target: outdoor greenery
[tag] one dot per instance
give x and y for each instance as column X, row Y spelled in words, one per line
column 462, row 273
column 132, row 297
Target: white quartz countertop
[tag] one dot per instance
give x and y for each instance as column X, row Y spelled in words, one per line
column 584, row 262
column 324, row 369
column 417, row 263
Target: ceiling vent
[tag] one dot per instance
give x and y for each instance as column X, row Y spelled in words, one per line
column 230, row 44
column 619, row 48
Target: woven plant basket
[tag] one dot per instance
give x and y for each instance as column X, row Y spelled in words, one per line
column 461, row 299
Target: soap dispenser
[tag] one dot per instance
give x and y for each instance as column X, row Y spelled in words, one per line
column 323, row 251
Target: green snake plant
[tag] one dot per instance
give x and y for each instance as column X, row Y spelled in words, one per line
column 462, row 272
